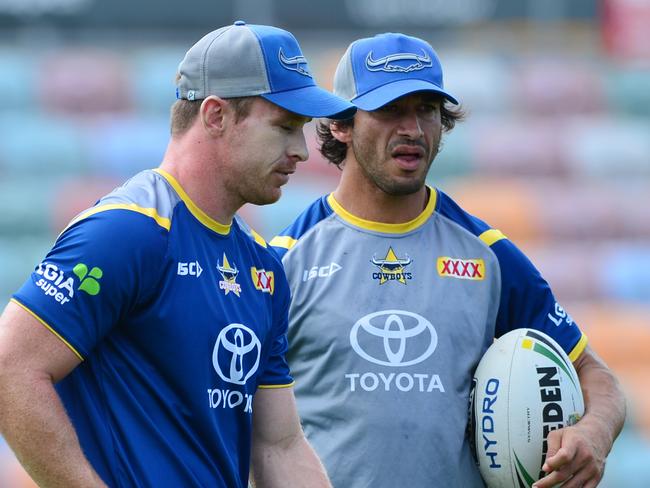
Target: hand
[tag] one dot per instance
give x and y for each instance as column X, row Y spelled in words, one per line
column 576, row 455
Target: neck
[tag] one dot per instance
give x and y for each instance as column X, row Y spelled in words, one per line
column 365, row 200
column 198, row 176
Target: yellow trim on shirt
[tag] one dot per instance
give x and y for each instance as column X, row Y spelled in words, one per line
column 381, row 226
column 286, row 242
column 149, row 212
column 47, row 326
column 205, row 219
column 579, row 347
column 270, row 387
column 258, row 238
column 491, row 236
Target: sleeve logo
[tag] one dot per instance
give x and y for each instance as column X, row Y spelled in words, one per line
column 263, row 280
column 464, row 269
column 55, row 283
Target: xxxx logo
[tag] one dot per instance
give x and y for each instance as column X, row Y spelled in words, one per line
column 88, row 279
column 263, row 280
column 465, row 269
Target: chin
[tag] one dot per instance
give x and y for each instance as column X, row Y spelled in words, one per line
column 266, row 198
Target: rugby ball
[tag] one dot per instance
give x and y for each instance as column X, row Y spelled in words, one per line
column 524, row 387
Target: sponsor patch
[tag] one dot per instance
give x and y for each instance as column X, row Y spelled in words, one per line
column 61, row 286
column 464, row 269
column 263, row 280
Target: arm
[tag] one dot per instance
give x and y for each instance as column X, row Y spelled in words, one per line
column 281, row 455
column 32, row 418
column 578, row 452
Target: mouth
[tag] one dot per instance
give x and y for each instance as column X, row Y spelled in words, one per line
column 408, row 157
column 284, row 174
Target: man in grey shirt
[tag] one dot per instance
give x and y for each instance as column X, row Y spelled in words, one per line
column 398, row 292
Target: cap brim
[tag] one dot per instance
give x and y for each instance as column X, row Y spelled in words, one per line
column 387, row 93
column 312, row 101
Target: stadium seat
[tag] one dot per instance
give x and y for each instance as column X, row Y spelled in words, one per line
column 29, row 200
column 558, row 86
column 40, row 145
column 152, row 73
column 608, row 147
column 120, row 146
column 104, row 88
column 628, row 89
column 492, row 94
column 18, row 82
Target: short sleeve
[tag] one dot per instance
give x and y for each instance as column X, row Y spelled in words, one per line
column 276, row 373
column 527, row 301
column 98, row 270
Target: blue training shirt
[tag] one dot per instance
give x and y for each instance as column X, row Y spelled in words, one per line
column 177, row 319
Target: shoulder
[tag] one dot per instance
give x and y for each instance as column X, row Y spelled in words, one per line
column 315, row 213
column 136, row 215
column 147, row 194
column 450, row 210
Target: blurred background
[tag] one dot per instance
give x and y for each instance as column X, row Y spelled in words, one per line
column 555, row 151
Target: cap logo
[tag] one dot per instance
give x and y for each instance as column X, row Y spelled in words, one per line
column 297, row 63
column 390, row 63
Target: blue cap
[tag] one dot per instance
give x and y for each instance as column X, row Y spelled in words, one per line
column 376, row 70
column 242, row 60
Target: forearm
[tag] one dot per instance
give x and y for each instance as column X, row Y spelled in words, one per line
column 35, row 425
column 291, row 463
column 604, row 400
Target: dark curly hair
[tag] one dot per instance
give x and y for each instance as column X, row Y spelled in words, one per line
column 335, row 151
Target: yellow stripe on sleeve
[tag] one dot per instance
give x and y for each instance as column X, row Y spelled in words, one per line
column 286, row 242
column 579, row 347
column 271, row 387
column 149, row 212
column 491, row 236
column 48, row 327
column 258, row 238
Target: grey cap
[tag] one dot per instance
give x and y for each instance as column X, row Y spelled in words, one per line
column 243, row 60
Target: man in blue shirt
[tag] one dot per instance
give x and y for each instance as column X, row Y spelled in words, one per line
column 147, row 348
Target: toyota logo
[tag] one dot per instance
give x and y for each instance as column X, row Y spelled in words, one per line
column 393, row 338
column 236, row 354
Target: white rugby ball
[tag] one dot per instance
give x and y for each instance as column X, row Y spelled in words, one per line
column 524, row 387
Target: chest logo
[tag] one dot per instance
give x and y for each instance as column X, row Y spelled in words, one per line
column 236, row 354
column 394, row 338
column 263, row 280
column 465, row 269
column 229, row 275
column 392, row 268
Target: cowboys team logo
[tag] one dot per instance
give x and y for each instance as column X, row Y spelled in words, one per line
column 296, row 63
column 236, row 354
column 398, row 62
column 229, row 275
column 392, row 268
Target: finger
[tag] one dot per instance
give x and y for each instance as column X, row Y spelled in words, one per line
column 561, row 458
column 585, row 476
column 552, row 479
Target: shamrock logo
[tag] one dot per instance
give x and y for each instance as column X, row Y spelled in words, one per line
column 89, row 282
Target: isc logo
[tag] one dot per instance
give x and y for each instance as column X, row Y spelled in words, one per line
column 191, row 269
column 320, row 271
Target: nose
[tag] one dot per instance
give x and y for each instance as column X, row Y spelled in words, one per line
column 298, row 148
column 409, row 126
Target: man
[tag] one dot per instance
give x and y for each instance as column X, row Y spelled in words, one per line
column 158, row 314
column 397, row 293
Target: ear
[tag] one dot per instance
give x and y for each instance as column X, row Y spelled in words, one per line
column 341, row 132
column 213, row 115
